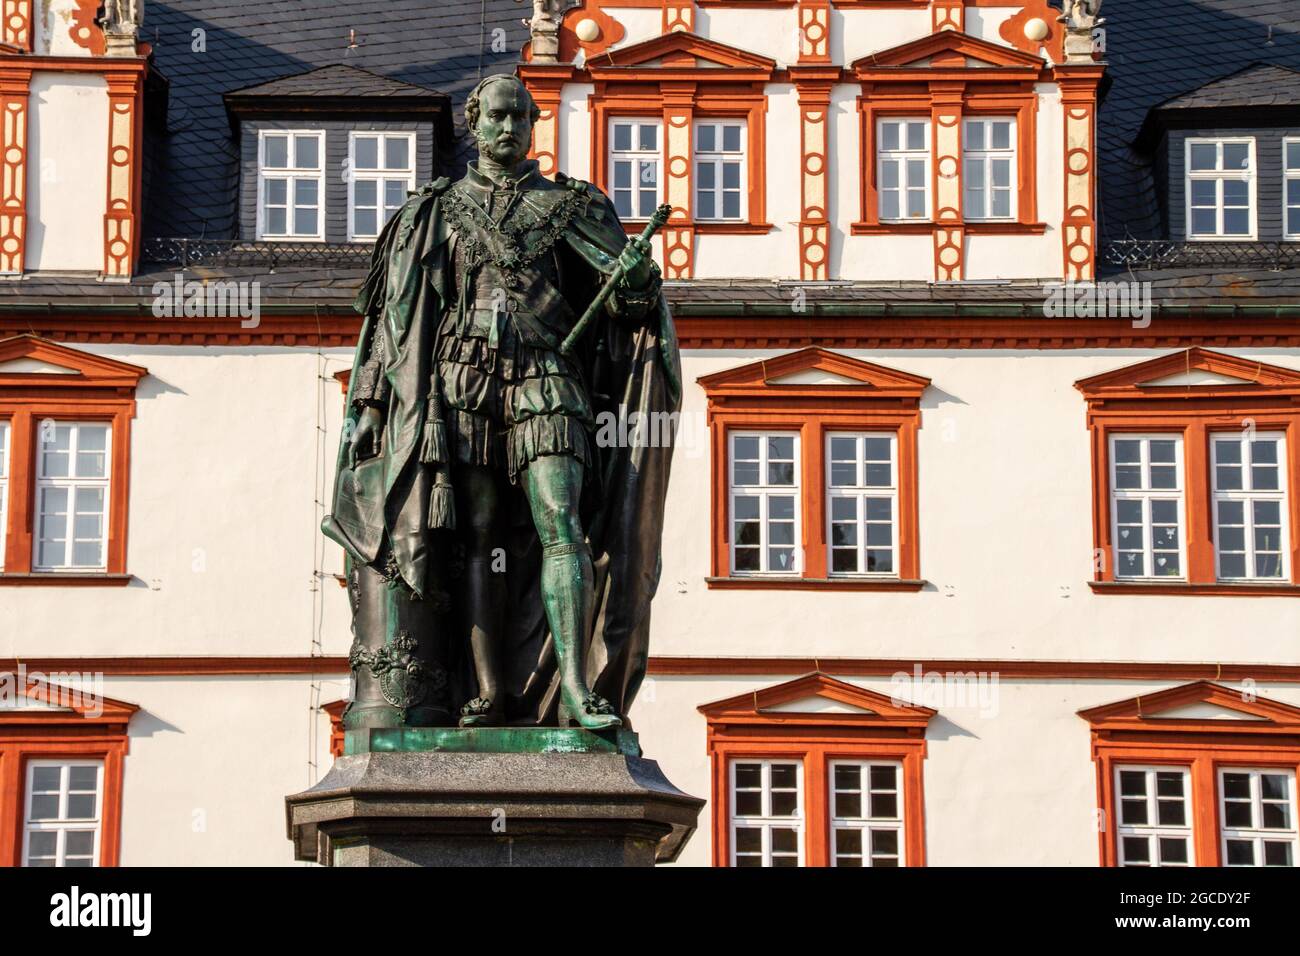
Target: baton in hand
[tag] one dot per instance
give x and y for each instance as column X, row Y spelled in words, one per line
column 657, row 222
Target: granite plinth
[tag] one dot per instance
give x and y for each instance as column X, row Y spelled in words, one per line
column 411, row 807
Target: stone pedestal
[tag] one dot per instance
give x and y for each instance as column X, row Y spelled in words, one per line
column 445, row 797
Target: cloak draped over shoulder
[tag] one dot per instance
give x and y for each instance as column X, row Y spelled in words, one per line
column 380, row 512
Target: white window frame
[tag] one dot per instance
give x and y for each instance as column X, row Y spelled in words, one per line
column 903, row 156
column 764, row 492
column 1153, row 831
column 1289, row 176
column 987, row 155
column 1219, row 176
column 719, row 158
column 63, row 826
column 378, row 176
column 1146, row 495
column 766, row 822
column 72, row 483
column 860, row 492
column 1248, row 496
column 292, row 174
column 6, row 453
column 638, row 158
column 866, row 823
column 1257, row 833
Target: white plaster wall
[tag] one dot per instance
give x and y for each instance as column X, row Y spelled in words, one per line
column 985, row 22
column 639, row 24
column 1005, row 538
column 54, row 26
column 855, row 33
column 773, row 33
column 575, row 131
column 1008, row 785
column 68, row 172
column 211, row 760
column 224, row 537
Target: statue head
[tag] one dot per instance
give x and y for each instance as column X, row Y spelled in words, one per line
column 500, row 112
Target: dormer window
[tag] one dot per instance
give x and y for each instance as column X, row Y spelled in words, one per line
column 383, row 172
column 1221, row 188
column 330, row 155
column 1291, row 172
column 291, row 185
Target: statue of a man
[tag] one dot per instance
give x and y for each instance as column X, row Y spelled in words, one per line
column 501, row 559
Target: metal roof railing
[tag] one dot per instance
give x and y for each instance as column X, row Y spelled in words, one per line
column 1172, row 254
column 234, row 252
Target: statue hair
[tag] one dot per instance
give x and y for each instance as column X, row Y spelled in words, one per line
column 472, row 103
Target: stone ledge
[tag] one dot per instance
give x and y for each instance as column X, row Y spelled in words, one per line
column 491, row 809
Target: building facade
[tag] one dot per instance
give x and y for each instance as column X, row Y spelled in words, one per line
column 983, row 534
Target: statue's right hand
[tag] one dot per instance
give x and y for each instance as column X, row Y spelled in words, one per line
column 366, row 436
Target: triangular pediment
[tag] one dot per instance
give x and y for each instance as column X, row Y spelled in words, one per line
column 817, row 698
column 1195, row 371
column 1200, row 706
column 682, row 51
column 25, row 359
column 815, row 368
column 28, row 699
column 951, row 50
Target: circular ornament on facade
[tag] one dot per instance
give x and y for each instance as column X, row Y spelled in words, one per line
column 11, row 245
column 814, row 163
column 678, row 257
column 949, row 256
column 1078, row 161
column 587, row 30
column 1036, row 29
column 1079, row 254
column 814, row 253
column 814, row 32
column 948, row 167
column 121, row 155
column 677, row 121
column 677, row 166
column 13, row 155
column 118, row 248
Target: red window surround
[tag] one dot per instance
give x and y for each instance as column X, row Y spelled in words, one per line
column 936, row 76
column 1265, row 397
column 756, row 725
column 876, row 399
column 1133, row 732
column 72, row 732
column 93, row 389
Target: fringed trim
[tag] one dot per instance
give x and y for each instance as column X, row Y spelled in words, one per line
column 543, row 435
column 442, row 504
column 474, row 438
column 434, row 450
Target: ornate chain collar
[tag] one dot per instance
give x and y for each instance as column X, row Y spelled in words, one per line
column 517, row 241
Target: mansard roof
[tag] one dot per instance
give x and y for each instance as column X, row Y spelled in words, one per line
column 192, row 186
column 1261, row 84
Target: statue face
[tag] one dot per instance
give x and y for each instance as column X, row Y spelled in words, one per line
column 505, row 126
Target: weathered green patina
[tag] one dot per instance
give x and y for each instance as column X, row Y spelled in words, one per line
column 502, row 561
column 534, row 740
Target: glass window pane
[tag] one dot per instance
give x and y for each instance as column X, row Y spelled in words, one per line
column 305, row 192
column 1236, row 156
column 275, row 152
column 731, row 139
column 648, row 137
column 365, row 152
column 394, row 193
column 307, row 152
column 1204, row 156
column 397, row 152
column 706, row 138
column 916, row 136
column 305, row 222
column 889, row 136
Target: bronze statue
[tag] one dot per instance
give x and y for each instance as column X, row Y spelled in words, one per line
column 501, row 559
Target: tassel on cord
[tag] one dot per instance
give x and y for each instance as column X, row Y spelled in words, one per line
column 434, row 451
column 442, row 503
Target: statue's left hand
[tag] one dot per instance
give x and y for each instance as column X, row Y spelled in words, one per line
column 635, row 261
